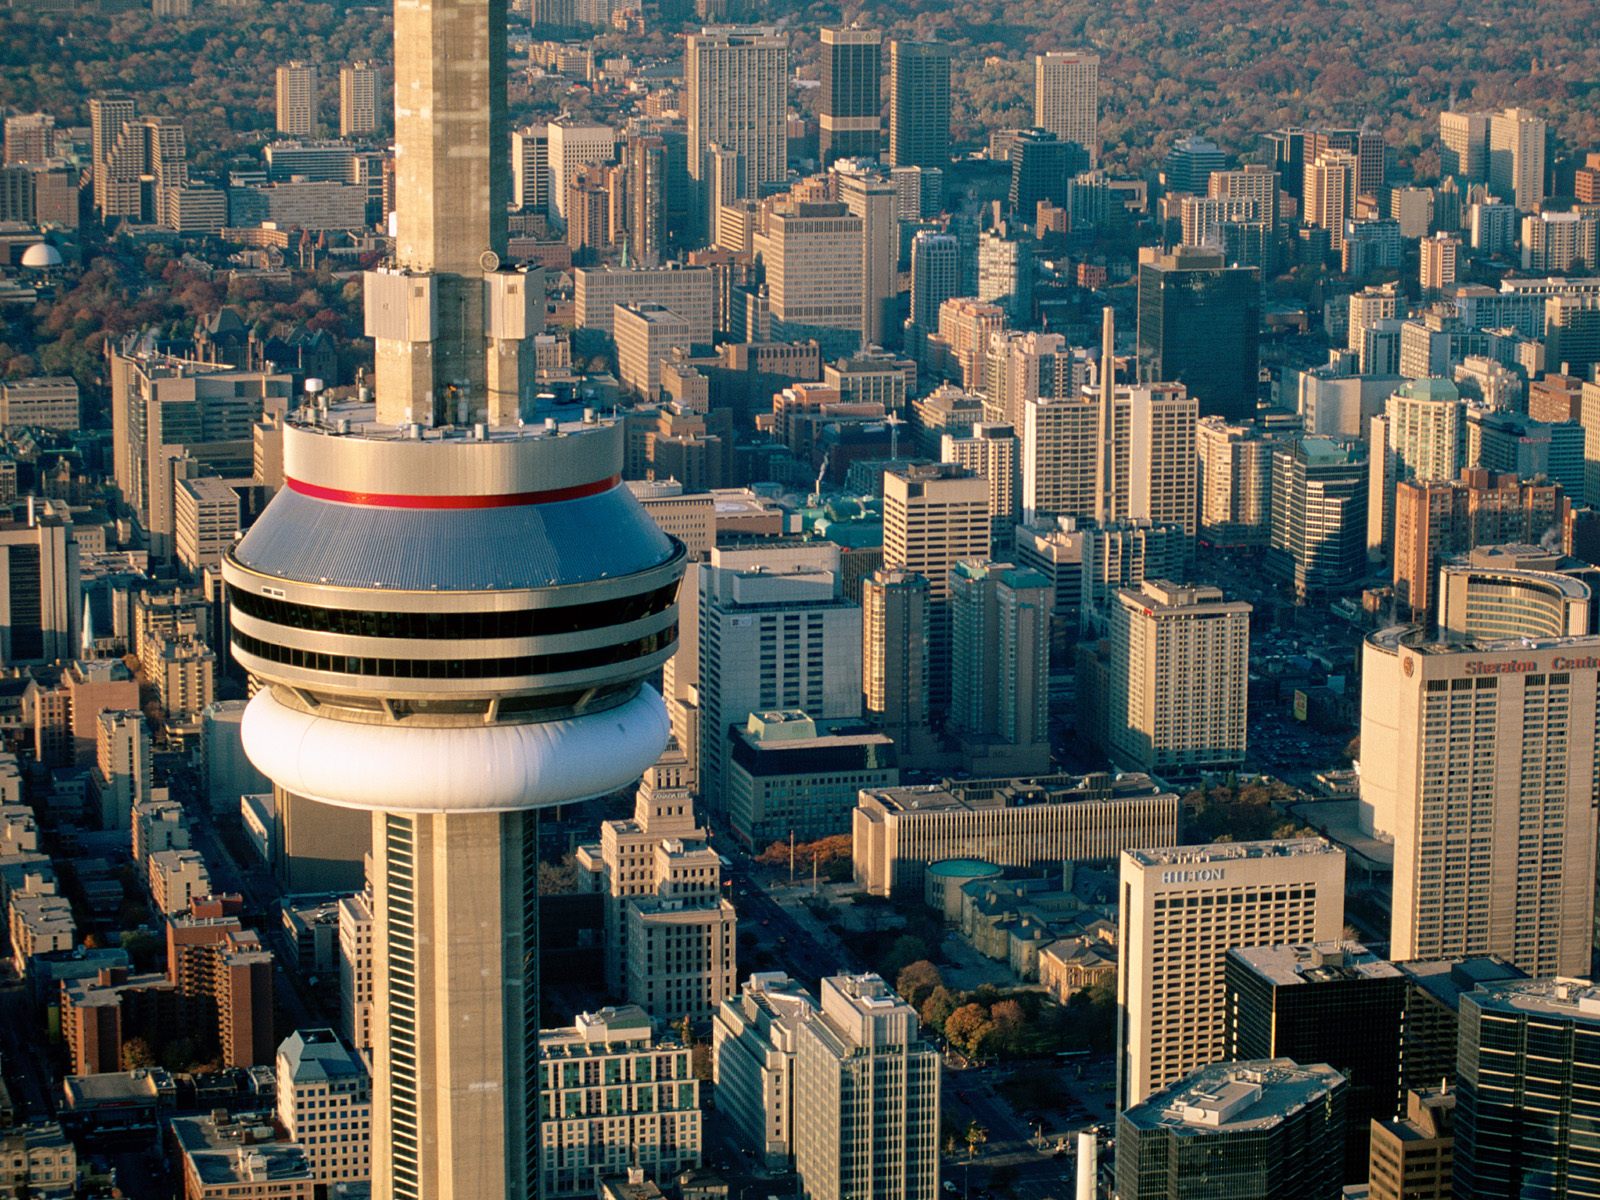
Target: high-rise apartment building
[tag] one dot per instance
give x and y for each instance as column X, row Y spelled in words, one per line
column 1175, row 702
column 574, row 145
column 1183, row 909
column 41, row 601
column 649, row 179
column 919, row 104
column 849, row 109
column 990, row 451
column 1329, row 194
column 736, row 80
column 1199, row 326
column 935, row 516
column 1524, row 1110
column 614, row 1096
column 1000, row 665
column 1464, row 146
column 1270, row 1129
column 1006, row 272
column 1066, row 98
column 1426, row 434
column 530, row 168
column 935, row 277
column 297, row 100
column 1234, row 481
column 1478, row 761
column 753, row 1047
column 1301, row 1002
column 358, row 100
column 30, row 138
column 1439, row 258
column 868, row 1086
column 895, row 633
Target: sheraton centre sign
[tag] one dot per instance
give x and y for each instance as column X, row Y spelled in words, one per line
column 1522, row 666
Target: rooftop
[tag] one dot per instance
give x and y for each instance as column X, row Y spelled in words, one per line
column 1235, row 1097
column 230, row 1151
column 1321, row 962
column 1168, row 856
column 1569, row 999
column 317, row 1055
column 982, row 794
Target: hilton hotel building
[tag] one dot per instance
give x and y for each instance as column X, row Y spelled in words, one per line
column 1478, row 761
column 1183, row 909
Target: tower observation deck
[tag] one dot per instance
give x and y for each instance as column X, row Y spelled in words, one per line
column 451, row 610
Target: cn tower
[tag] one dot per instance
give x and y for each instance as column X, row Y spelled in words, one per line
column 450, row 611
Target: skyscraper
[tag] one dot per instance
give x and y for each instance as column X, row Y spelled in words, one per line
column 1328, row 196
column 1042, row 165
column 1464, row 146
column 737, row 83
column 439, row 640
column 1525, row 1112
column 1319, row 513
column 866, row 1096
column 894, row 653
column 1199, row 326
column 358, row 99
column 297, row 100
column 850, row 106
column 870, row 195
column 1517, row 158
column 1478, row 759
column 919, row 104
column 935, row 277
column 1000, row 665
column 1066, row 98
column 1183, row 909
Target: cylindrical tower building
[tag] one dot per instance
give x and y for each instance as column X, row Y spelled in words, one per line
column 450, row 628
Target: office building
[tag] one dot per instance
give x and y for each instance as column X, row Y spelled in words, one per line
column 790, row 778
column 935, row 277
column 1464, row 146
column 774, row 631
column 358, row 100
column 530, row 169
column 645, row 335
column 1183, row 909
column 1175, row 701
column 869, row 195
column 919, row 104
column 688, row 291
column 298, row 100
column 1198, row 325
column 1319, row 513
column 990, row 451
column 813, row 255
column 1006, row 273
column 206, row 516
column 753, row 1053
column 895, row 632
column 850, row 104
column 868, row 1086
column 898, row 832
column 1524, row 1110
column 29, row 138
column 1269, row 1129
column 1066, row 99
column 614, row 1096
column 41, row 605
column 1516, row 155
column 669, row 934
column 325, row 1105
column 1190, row 164
column 1000, row 665
column 1042, row 168
column 40, row 402
column 935, row 516
column 224, row 1156
column 650, row 188
column 1413, row 1157
column 1301, row 1001
column 1431, row 1028
column 1477, row 760
column 736, row 81
column 464, row 750
column 355, row 969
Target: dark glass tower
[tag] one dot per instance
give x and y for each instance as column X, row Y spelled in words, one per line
column 1199, row 325
column 1302, row 1002
column 852, row 73
column 919, row 104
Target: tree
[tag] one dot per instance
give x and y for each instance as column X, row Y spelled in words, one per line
column 968, row 1026
column 905, row 950
column 975, row 1136
column 136, row 1053
column 936, row 1009
column 917, row 981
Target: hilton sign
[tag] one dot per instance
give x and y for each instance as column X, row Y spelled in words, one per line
column 1202, row 875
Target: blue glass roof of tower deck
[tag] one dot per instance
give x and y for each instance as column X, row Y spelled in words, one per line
column 604, row 536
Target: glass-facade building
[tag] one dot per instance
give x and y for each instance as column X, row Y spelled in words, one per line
column 1199, row 325
column 1528, row 1106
